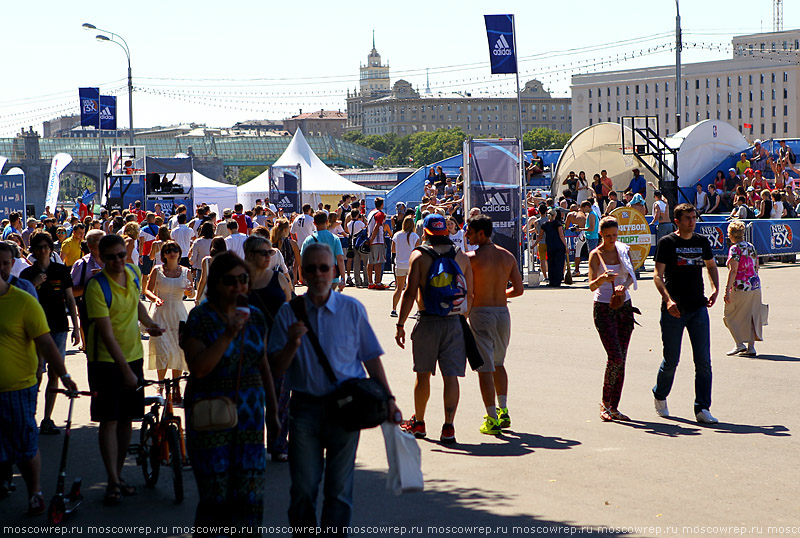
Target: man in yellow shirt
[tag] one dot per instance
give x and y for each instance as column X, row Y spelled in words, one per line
column 71, row 247
column 742, row 164
column 22, row 336
column 115, row 354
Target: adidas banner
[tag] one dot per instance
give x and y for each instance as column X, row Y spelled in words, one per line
column 108, row 112
column 90, row 106
column 500, row 31
column 12, row 195
column 285, row 187
column 494, row 187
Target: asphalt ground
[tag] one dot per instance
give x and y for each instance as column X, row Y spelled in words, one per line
column 559, row 469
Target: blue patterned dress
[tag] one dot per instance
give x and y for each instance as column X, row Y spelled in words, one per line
column 229, row 465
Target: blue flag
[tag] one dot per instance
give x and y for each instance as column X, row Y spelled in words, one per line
column 90, row 106
column 108, row 112
column 500, row 31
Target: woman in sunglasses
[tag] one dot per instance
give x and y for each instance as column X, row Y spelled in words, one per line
column 167, row 285
column 268, row 291
column 225, row 349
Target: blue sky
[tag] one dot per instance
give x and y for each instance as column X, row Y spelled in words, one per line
column 222, row 62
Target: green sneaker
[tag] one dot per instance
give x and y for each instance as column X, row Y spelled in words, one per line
column 503, row 417
column 490, row 426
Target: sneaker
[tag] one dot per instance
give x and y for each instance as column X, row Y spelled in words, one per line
column 704, row 417
column 749, row 352
column 736, row 350
column 661, row 408
column 371, row 286
column 36, row 504
column 48, row 427
column 381, row 287
column 448, row 436
column 503, row 417
column 393, row 314
column 414, row 426
column 490, row 426
column 350, row 282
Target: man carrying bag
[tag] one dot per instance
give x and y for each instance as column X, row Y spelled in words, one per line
column 318, row 422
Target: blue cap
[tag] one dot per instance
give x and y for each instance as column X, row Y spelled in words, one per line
column 435, row 225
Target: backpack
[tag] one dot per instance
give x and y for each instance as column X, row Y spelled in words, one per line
column 361, row 240
column 445, row 285
column 751, row 213
column 105, row 287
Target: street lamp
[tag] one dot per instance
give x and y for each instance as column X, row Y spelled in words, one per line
column 116, row 38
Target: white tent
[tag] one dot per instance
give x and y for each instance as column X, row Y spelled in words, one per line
column 598, row 147
column 702, row 146
column 317, row 179
column 213, row 192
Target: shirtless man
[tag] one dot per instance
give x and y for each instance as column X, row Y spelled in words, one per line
column 492, row 269
column 435, row 339
column 576, row 217
column 613, row 203
column 660, row 216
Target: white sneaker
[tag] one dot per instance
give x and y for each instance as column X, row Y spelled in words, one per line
column 736, row 350
column 704, row 417
column 661, row 408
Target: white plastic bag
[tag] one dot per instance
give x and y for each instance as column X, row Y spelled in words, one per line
column 405, row 460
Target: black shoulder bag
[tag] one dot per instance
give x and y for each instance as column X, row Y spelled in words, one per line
column 358, row 404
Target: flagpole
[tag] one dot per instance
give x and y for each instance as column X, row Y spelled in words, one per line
column 521, row 145
column 100, row 178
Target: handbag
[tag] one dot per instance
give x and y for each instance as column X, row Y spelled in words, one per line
column 405, row 461
column 219, row 412
column 764, row 314
column 358, row 403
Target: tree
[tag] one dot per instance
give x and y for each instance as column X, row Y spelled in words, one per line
column 544, row 138
column 246, row 173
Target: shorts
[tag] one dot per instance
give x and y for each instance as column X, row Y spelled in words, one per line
column 145, row 264
column 401, row 271
column 491, row 326
column 60, row 339
column 377, row 254
column 439, row 340
column 580, row 243
column 19, row 436
column 542, row 251
column 111, row 400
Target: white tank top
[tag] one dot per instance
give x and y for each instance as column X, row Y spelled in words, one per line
column 604, row 292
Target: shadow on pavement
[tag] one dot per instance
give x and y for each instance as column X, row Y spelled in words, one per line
column 661, row 428
column 517, row 444
column 775, row 358
column 775, row 430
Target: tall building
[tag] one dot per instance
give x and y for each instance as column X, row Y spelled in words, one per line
column 373, row 83
column 319, row 123
column 758, row 86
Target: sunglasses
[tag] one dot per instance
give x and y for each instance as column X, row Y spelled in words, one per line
column 171, row 250
column 322, row 268
column 231, row 280
column 112, row 257
column 264, row 253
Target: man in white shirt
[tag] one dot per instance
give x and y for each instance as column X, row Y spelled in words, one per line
column 235, row 241
column 173, row 222
column 700, row 200
column 221, row 229
column 182, row 235
column 303, row 225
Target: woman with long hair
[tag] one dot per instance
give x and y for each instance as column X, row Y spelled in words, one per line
column 742, row 296
column 155, row 249
column 403, row 244
column 166, row 287
column 226, row 355
column 288, row 248
column 583, row 187
column 201, row 247
column 611, row 273
column 131, row 235
column 598, row 188
column 268, row 291
column 217, row 245
column 765, row 205
column 553, row 236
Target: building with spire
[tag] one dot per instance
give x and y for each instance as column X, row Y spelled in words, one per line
column 374, row 83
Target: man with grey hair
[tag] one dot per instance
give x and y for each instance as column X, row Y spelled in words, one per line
column 318, row 445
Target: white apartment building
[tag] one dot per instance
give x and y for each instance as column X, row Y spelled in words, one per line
column 757, row 87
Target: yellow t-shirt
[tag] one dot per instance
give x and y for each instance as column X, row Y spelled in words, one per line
column 124, row 315
column 23, row 320
column 71, row 251
column 741, row 166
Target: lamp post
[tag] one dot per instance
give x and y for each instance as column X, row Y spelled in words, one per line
column 116, row 38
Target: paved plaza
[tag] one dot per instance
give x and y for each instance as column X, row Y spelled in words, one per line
column 559, row 469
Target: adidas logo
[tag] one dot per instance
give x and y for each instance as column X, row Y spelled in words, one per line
column 496, row 202
column 502, row 48
column 284, row 202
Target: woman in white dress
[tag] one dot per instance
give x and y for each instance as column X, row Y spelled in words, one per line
column 166, row 288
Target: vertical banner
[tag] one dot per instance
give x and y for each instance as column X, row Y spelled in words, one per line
column 500, row 32
column 3, row 161
column 90, row 106
column 493, row 187
column 285, row 187
column 60, row 161
column 108, row 112
column 12, row 194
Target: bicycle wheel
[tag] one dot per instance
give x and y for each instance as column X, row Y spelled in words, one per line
column 174, row 440
column 148, row 450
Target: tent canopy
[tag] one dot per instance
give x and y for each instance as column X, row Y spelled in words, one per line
column 316, row 177
column 213, row 192
column 702, row 147
column 595, row 148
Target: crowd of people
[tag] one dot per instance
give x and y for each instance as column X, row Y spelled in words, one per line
column 116, row 283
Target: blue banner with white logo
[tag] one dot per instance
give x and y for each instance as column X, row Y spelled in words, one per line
column 500, row 31
column 284, row 188
column 12, row 195
column 90, row 106
column 717, row 235
column 108, row 112
column 776, row 236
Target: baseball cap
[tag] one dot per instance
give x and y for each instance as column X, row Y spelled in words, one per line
column 226, row 212
column 758, row 172
column 427, row 182
column 751, row 189
column 731, row 169
column 748, row 171
column 757, row 141
column 435, row 225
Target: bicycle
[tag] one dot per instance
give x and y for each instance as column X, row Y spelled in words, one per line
column 161, row 440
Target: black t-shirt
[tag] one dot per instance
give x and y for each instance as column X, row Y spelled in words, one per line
column 683, row 275
column 712, row 199
column 51, row 293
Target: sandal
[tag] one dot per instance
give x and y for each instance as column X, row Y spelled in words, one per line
column 616, row 415
column 113, row 495
column 36, row 504
column 125, row 489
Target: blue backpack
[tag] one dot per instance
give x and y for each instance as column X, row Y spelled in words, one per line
column 445, row 285
column 105, row 287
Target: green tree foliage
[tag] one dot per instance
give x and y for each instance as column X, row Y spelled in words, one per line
column 543, row 138
column 246, row 173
